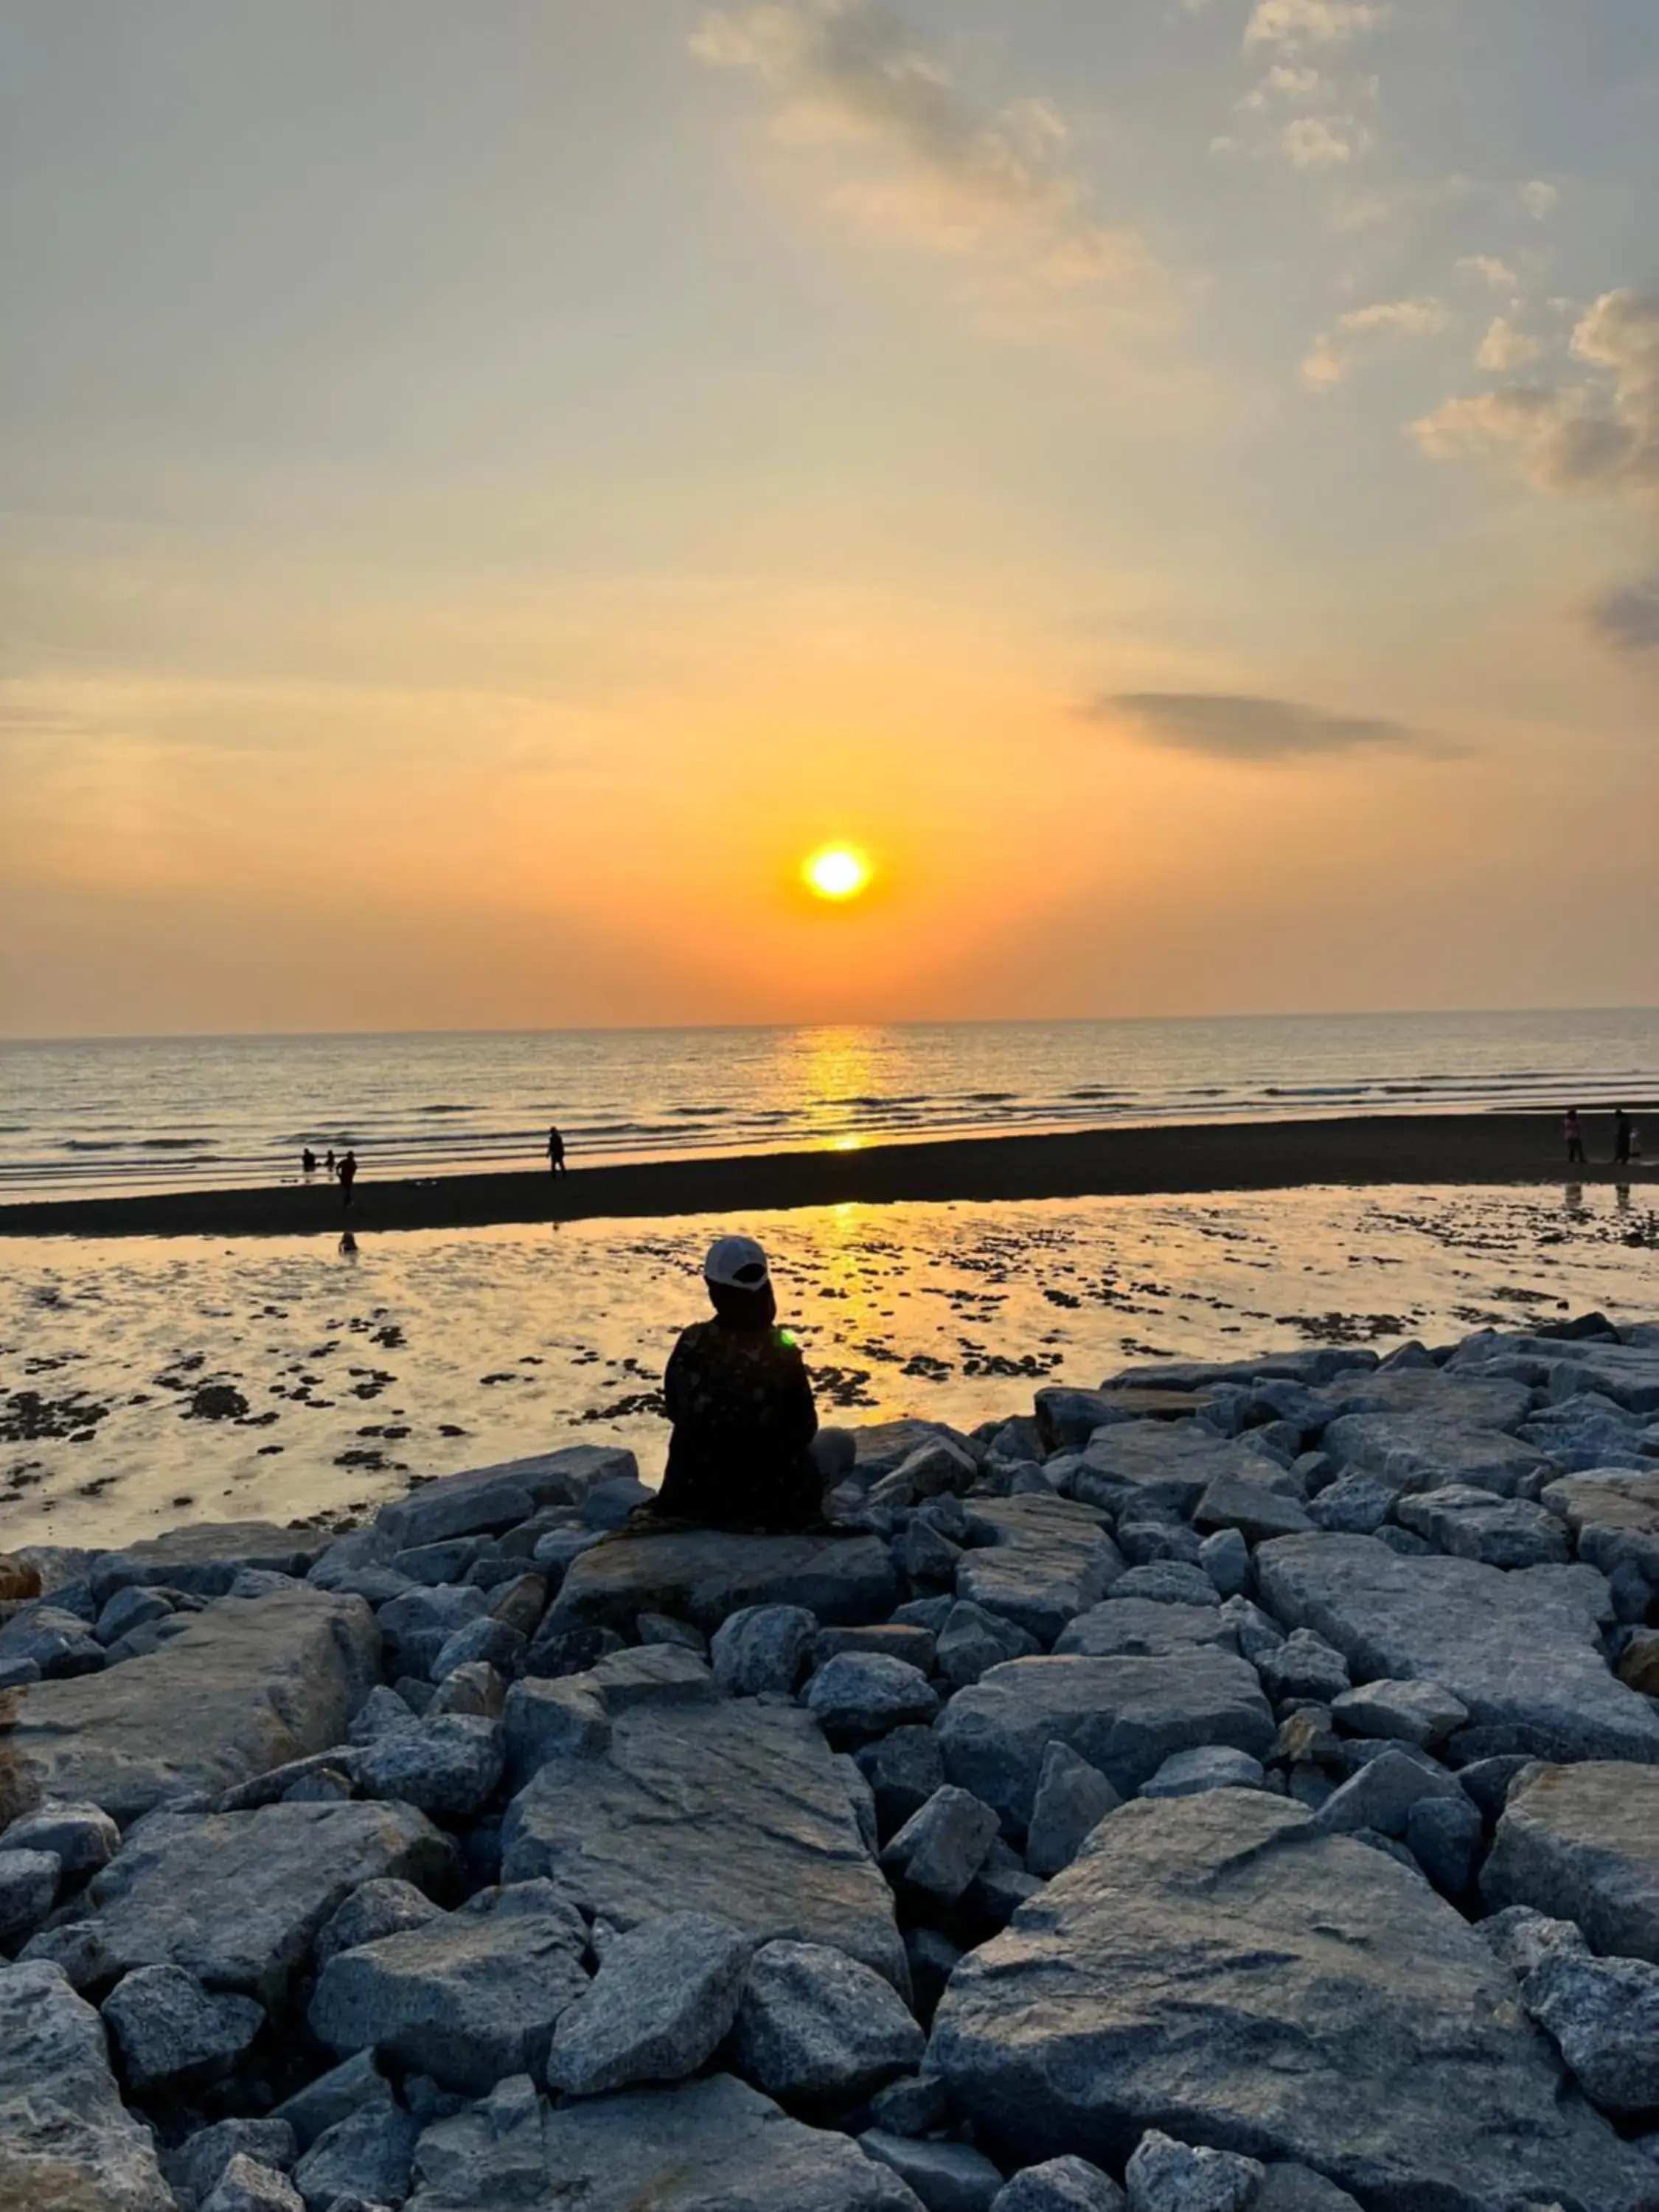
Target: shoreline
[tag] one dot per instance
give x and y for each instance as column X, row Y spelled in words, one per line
column 1165, row 1160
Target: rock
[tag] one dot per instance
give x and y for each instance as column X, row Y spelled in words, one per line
column 490, row 1498
column 816, row 2028
column 28, row 1889
column 1332, row 2010
column 1210, row 1767
column 20, row 1579
column 1124, row 1716
column 1166, row 2176
column 1143, row 1542
column 172, row 2034
column 1050, row 1561
column 1136, row 1628
column 1381, row 1793
column 1457, row 1401
column 238, row 1898
column 1613, row 1517
column 1225, row 1558
column 1291, row 2187
column 81, row 1838
column 763, row 1648
column 195, row 2169
column 378, row 1909
column 1304, row 1665
column 708, row 2143
column 942, row 1847
column 663, row 1628
column 128, row 1610
column 705, row 1575
column 59, row 1645
column 902, row 1770
column 248, row 2185
column 367, row 2154
column 1408, row 1452
column 1168, row 1581
column 245, row 1686
column 333, row 2097
column 474, row 1689
column 1445, row 1836
column 1061, row 2185
column 972, row 1641
column 938, row 1464
column 1155, row 1464
column 1604, row 2014
column 449, row 1766
column 470, row 1998
column 1421, row 1713
column 1473, row 1524
column 1072, row 1798
column 933, row 1959
column 758, row 1829
column 915, row 2104
column 897, row 1639
column 490, row 1640
column 945, row 2177
column 865, row 1693
column 927, row 1556
column 1250, row 1509
column 205, row 1559
column 418, row 1625
column 663, row 2002
column 65, row 2141
column 1356, row 1506
column 1581, row 1844
column 1518, row 1650
column 1523, row 1939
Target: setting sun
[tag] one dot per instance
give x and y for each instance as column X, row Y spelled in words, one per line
column 836, row 873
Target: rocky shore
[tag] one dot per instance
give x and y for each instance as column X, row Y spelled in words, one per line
column 1232, row 1790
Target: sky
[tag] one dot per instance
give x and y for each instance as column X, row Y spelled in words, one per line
column 485, row 490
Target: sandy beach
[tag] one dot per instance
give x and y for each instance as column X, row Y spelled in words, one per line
column 1357, row 1152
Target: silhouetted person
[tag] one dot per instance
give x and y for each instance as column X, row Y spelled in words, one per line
column 1621, row 1136
column 347, row 1245
column 329, row 1160
column 1572, row 1129
column 555, row 1152
column 348, row 1175
column 307, row 1162
column 746, row 1451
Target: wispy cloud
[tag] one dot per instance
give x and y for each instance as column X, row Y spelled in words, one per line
column 1488, row 270
column 1539, row 199
column 1504, row 348
column 1333, row 351
column 1294, row 24
column 1240, row 726
column 919, row 162
column 1627, row 617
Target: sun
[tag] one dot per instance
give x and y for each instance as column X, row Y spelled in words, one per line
column 836, row 872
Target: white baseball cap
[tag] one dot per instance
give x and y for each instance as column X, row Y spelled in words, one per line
column 736, row 1263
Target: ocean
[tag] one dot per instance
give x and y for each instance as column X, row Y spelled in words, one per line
column 88, row 1116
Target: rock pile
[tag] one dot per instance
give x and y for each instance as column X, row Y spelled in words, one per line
column 1232, row 1790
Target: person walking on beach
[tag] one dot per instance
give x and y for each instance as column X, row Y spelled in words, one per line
column 1621, row 1138
column 348, row 1175
column 1572, row 1129
column 308, row 1161
column 555, row 1153
column 328, row 1161
column 746, row 1450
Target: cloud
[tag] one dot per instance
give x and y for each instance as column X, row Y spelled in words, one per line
column 1236, row 726
column 1487, row 268
column 931, row 168
column 1600, row 432
column 1503, row 350
column 1323, row 141
column 1540, row 200
column 1627, row 617
column 1294, row 24
column 1333, row 350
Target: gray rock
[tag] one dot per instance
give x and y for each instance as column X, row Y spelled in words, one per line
column 447, row 1766
column 1519, row 1649
column 378, row 1909
column 972, row 1641
column 128, row 1610
column 865, row 1693
column 490, row 1640
column 1167, row 2176
column 1355, row 1505
column 1136, row 1628
column 1523, row 1939
column 898, row 1640
column 418, row 1625
column 382, row 1711
column 659, row 1674
column 28, row 1889
column 494, row 1498
column 942, row 1847
column 333, row 2097
column 172, row 2034
column 761, row 1832
column 1445, row 1836
column 1421, row 1451
column 243, row 1687
column 566, row 1717
column 1072, row 1798
column 1422, row 1713
column 248, row 2185
column 1002, row 1884
column 708, row 2143
column 1381, row 1794
column 938, row 1464
column 662, row 2003
column 65, row 2141
column 927, row 1556
column 1124, row 1716
column 1473, row 1524
column 81, row 1838
column 815, row 2027
column 915, row 2104
column 904, row 1770
column 196, row 2167
column 663, row 1628
column 1167, row 1582
column 1061, row 2185
column 1225, row 1558
column 1144, row 1541
column 1250, row 1509
column 1463, row 1400
column 1292, row 2188
column 1050, row 1561
column 1253, row 1630
column 704, row 1575
column 469, row 1999
column 368, row 2154
column 204, row 1559
column 1332, row 2010
column 238, row 1898
column 1604, row 2014
column 1160, row 1465
column 1581, row 1844
column 763, row 1648
column 1613, row 1517
column 946, row 2177
column 1211, row 1766
column 1304, row 1665
column 474, row 1689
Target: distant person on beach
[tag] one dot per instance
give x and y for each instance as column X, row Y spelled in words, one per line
column 555, row 1152
column 746, row 1450
column 1572, row 1129
column 1621, row 1138
column 307, row 1162
column 328, row 1161
column 348, row 1175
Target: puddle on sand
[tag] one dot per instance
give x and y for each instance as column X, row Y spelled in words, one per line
column 143, row 1382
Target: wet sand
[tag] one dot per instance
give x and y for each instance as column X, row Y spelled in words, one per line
column 1448, row 1150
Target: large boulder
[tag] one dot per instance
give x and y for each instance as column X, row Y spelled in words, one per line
column 1050, row 1561
column 816, row 2028
column 1165, row 1466
column 1468, row 1402
column 686, row 2149
column 1628, row 1374
column 237, row 1899
column 206, row 1558
column 1124, row 1716
column 1615, row 1518
column 734, row 1808
column 1420, row 1451
column 66, row 2145
column 1140, row 1628
column 662, row 2003
column 1327, row 2007
column 488, row 1498
column 1518, row 1650
column 1581, row 1843
column 247, row 1684
column 703, row 1575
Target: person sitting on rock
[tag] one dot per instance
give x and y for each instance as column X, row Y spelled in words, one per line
column 746, row 1450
